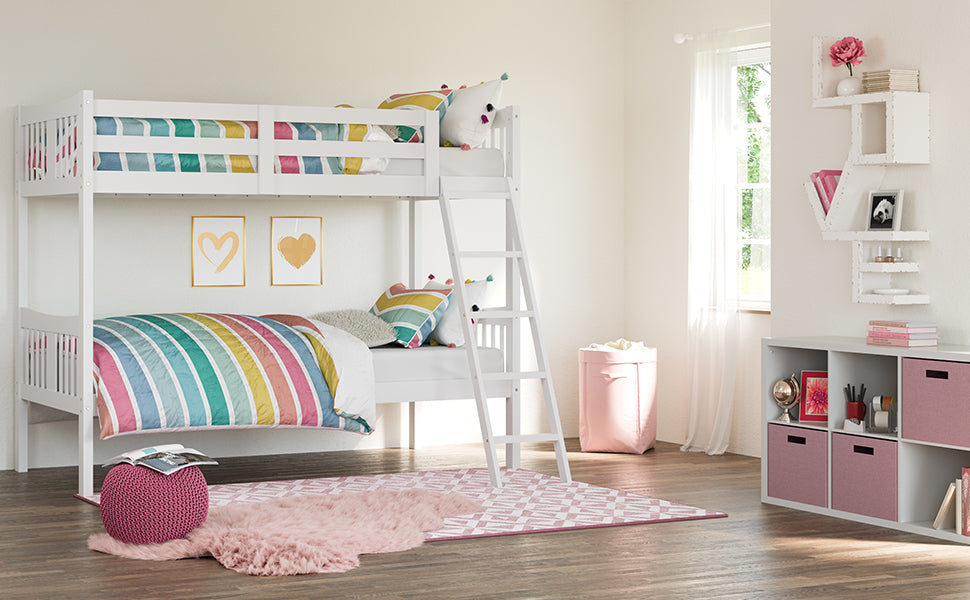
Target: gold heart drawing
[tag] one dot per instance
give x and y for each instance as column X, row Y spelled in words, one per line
column 297, row 251
column 217, row 244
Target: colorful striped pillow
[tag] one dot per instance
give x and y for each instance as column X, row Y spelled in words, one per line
column 436, row 100
column 413, row 313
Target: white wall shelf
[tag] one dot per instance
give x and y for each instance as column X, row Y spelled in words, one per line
column 887, row 129
column 876, row 236
column 921, row 469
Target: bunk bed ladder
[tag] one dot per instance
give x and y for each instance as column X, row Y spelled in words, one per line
column 514, row 254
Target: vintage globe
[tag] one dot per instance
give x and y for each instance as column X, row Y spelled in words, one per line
column 785, row 393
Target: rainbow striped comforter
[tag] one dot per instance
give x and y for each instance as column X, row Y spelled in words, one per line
column 172, row 372
column 235, row 163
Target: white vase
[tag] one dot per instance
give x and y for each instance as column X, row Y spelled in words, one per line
column 850, row 86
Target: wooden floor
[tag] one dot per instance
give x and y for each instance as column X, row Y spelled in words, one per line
column 759, row 551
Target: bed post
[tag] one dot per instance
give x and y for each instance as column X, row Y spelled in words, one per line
column 86, row 294
column 21, row 407
column 412, row 283
column 513, row 341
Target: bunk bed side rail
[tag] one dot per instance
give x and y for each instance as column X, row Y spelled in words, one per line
column 491, row 334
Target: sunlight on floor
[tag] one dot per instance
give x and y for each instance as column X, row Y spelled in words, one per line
column 846, row 551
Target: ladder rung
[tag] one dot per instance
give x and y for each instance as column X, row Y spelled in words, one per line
column 468, row 195
column 491, row 254
column 487, row 313
column 532, row 437
column 514, row 375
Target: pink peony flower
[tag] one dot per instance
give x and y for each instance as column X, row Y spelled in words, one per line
column 848, row 51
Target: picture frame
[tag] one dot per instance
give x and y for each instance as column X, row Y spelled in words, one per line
column 814, row 404
column 885, row 210
column 296, row 250
column 218, row 251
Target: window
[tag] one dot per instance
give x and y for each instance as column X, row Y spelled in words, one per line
column 752, row 137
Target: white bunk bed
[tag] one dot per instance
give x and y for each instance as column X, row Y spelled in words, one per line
column 56, row 150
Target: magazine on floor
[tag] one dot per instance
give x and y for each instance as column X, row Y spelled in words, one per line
column 165, row 458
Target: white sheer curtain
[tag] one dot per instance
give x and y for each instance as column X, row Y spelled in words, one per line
column 713, row 251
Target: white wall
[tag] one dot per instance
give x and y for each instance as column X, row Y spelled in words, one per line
column 585, row 179
column 656, row 157
column 811, row 283
column 565, row 60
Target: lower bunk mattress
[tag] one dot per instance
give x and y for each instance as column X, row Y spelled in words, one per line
column 172, row 372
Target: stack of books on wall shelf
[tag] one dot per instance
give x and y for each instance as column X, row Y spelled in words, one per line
column 825, row 182
column 907, row 334
column 891, row 80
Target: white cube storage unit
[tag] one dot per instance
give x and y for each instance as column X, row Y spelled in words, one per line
column 896, row 479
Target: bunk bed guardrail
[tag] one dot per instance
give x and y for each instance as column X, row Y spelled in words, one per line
column 60, row 141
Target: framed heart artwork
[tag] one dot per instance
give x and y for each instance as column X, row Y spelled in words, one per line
column 297, row 250
column 218, row 251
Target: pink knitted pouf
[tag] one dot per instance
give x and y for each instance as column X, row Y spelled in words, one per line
column 142, row 506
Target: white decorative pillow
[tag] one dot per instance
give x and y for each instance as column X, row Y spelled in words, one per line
column 469, row 117
column 370, row 329
column 449, row 331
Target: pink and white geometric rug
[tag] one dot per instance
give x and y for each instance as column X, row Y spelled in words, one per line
column 527, row 502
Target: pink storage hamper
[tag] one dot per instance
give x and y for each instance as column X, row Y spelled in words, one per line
column 617, row 399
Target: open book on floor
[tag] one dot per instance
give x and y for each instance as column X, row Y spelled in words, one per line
column 166, row 458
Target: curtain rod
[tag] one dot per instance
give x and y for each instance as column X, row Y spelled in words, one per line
column 680, row 38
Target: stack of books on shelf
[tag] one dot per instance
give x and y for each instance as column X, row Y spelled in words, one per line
column 907, row 334
column 955, row 509
column 891, row 80
column 825, row 182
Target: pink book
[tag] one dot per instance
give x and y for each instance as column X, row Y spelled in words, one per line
column 882, row 341
column 906, row 324
column 830, row 181
column 965, row 524
column 885, row 329
column 902, row 335
column 820, row 190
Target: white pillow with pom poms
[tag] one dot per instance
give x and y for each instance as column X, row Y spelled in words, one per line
column 468, row 118
column 448, row 332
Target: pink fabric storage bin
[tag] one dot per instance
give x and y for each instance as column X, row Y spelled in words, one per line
column 935, row 404
column 864, row 476
column 617, row 400
column 798, row 464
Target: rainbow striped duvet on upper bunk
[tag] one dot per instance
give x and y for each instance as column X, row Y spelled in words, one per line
column 235, row 163
column 171, row 372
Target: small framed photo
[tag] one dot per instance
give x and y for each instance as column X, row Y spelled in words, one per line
column 297, row 250
column 814, row 405
column 885, row 210
column 218, row 251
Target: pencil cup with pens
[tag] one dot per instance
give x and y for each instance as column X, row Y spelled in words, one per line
column 878, row 415
column 855, row 408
